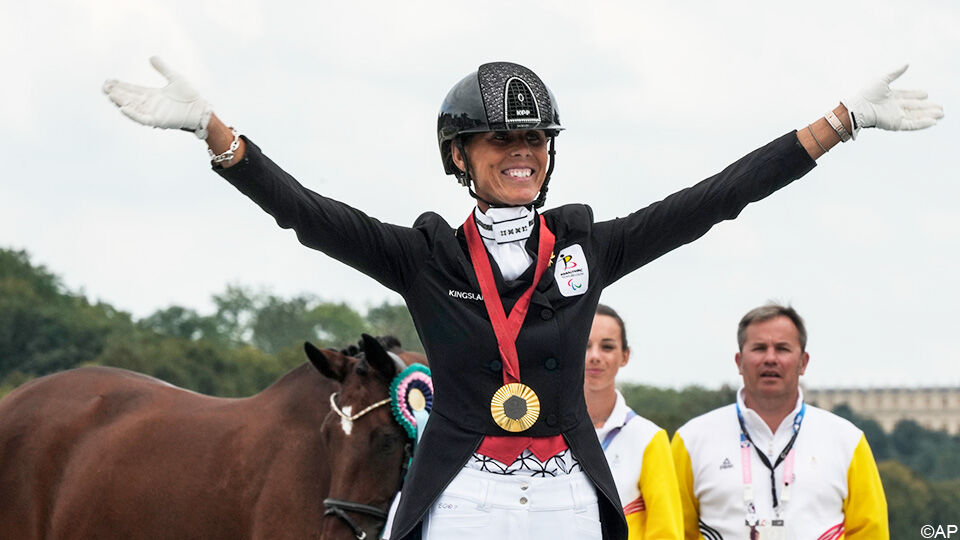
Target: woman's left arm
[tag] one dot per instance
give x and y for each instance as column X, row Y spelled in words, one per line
column 646, row 234
column 876, row 105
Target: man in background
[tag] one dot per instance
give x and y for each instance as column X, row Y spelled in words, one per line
column 770, row 466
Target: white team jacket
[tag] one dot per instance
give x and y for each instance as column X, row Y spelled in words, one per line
column 642, row 467
column 836, row 491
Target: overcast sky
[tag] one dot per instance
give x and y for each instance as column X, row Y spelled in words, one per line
column 655, row 96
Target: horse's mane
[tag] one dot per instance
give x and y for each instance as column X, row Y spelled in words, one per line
column 388, row 342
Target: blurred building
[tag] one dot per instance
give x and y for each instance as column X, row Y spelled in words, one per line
column 933, row 408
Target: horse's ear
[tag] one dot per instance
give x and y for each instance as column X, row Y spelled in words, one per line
column 330, row 363
column 377, row 357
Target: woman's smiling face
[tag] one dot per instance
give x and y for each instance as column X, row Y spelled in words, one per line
column 605, row 354
column 508, row 167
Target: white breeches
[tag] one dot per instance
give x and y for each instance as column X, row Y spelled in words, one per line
column 479, row 506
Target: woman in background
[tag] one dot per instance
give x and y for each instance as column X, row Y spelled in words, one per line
column 637, row 450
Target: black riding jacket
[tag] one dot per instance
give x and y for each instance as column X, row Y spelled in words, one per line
column 429, row 265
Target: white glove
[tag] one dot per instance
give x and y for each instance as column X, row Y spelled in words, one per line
column 177, row 105
column 878, row 106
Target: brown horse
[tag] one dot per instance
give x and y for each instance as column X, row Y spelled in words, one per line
column 104, row 453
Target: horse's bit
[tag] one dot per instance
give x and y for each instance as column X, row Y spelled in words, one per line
column 340, row 508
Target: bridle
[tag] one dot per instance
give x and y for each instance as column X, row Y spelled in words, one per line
column 339, row 507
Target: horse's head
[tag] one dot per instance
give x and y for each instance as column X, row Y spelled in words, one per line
column 367, row 448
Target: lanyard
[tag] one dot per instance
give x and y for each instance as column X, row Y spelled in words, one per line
column 612, row 434
column 506, row 328
column 787, row 454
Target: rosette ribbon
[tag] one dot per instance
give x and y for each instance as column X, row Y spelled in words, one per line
column 411, row 399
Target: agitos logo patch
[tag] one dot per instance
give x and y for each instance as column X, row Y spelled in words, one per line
column 573, row 276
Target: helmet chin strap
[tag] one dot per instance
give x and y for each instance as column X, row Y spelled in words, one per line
column 467, row 181
column 464, row 175
column 546, row 181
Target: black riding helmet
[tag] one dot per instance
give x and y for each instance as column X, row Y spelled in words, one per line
column 499, row 96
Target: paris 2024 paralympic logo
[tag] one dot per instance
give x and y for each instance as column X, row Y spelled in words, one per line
column 572, row 273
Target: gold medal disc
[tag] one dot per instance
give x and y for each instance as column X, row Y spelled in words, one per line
column 515, row 407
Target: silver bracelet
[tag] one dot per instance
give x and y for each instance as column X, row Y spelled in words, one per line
column 837, row 126
column 815, row 139
column 228, row 155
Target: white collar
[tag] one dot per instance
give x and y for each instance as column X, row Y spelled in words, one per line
column 755, row 422
column 504, row 225
column 617, row 418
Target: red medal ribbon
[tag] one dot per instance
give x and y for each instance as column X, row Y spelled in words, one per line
column 506, row 449
column 506, row 329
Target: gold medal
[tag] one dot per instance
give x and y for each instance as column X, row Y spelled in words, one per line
column 515, row 407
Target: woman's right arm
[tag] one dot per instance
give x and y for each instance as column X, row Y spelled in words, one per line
column 390, row 254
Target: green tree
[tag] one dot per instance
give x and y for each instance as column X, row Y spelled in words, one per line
column 183, row 322
column 203, row 366
column 236, row 308
column 945, row 504
column 669, row 408
column 933, row 454
column 338, row 324
column 279, row 323
column 12, row 380
column 273, row 323
column 43, row 327
column 876, row 437
column 909, row 500
column 15, row 266
column 395, row 320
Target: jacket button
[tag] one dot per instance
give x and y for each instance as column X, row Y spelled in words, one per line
column 551, row 419
column 551, row 363
column 496, row 365
column 546, row 314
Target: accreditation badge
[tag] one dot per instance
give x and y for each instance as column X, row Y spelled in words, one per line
column 515, row 407
column 771, row 530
